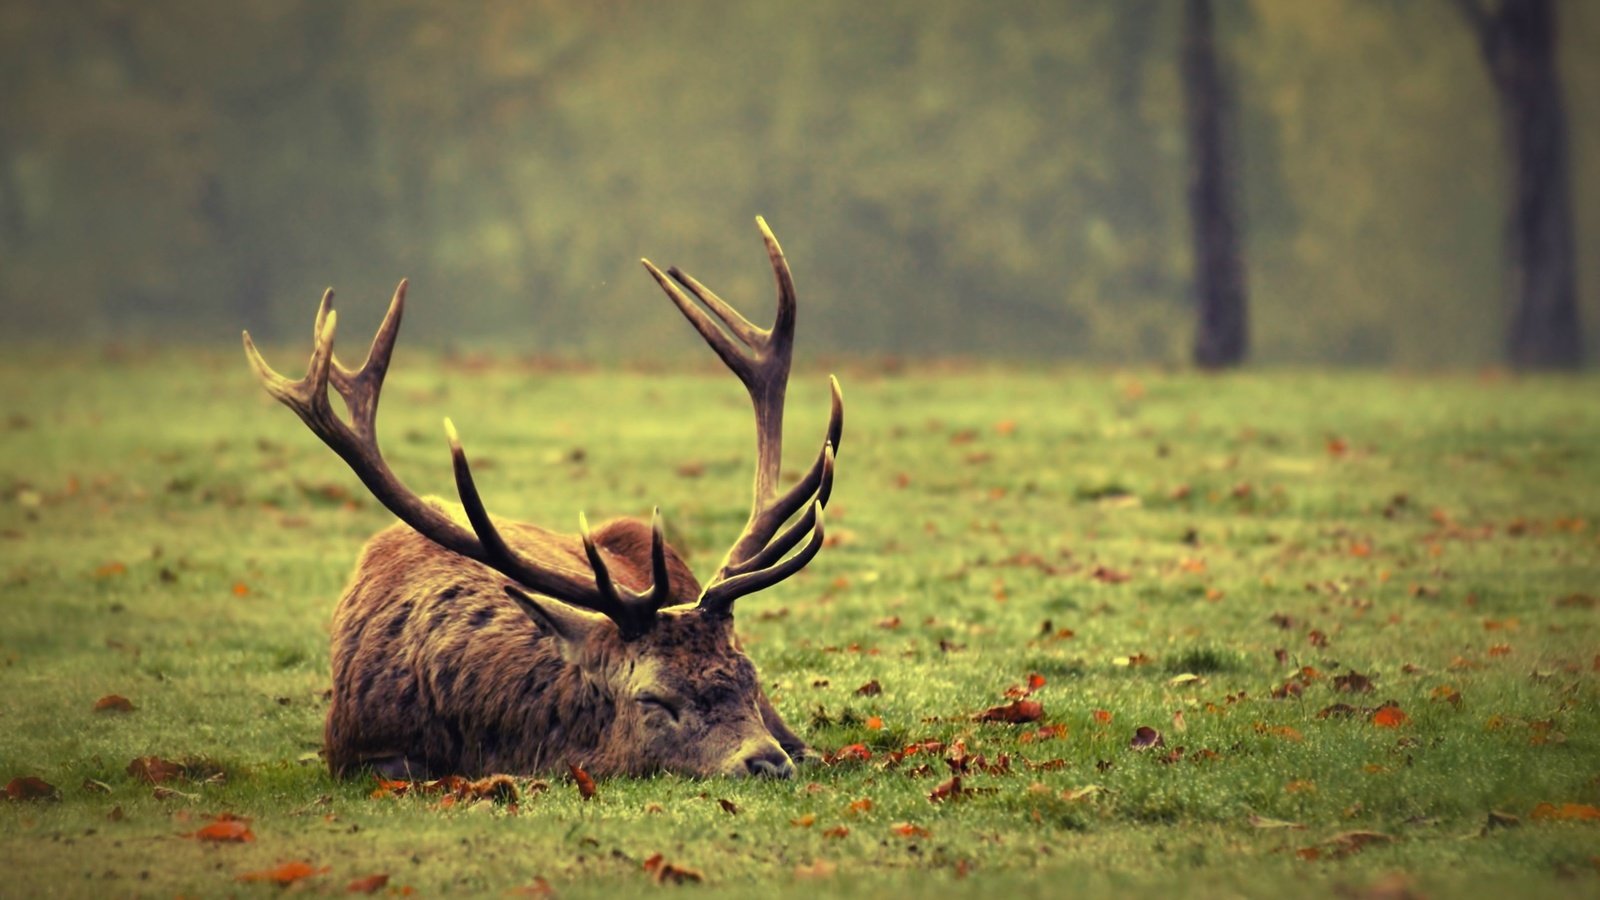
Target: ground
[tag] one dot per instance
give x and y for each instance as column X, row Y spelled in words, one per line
column 1288, row 632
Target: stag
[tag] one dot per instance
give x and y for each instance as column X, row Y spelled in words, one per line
column 470, row 644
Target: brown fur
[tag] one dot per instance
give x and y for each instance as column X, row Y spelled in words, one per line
column 436, row 670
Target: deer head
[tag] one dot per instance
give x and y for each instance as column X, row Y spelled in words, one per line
column 617, row 605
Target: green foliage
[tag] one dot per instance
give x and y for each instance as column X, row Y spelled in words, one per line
column 956, row 178
column 185, row 549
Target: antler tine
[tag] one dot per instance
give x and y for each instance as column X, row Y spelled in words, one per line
column 362, row 386
column 718, row 597
column 756, row 559
column 784, row 324
column 356, row 442
column 775, row 547
column 743, row 329
column 660, row 577
column 633, row 612
column 816, row 483
column 726, row 350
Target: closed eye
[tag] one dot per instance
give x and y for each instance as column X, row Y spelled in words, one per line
column 652, row 703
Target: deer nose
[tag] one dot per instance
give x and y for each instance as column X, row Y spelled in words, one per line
column 769, row 762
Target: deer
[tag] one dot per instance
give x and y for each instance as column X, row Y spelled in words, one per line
column 468, row 644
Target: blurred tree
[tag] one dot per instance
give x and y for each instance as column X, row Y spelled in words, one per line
column 954, row 178
column 1221, row 333
column 1518, row 42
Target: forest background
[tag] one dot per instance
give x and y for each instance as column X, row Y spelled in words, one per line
column 1002, row 181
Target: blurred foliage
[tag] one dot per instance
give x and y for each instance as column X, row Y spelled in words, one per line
column 947, row 178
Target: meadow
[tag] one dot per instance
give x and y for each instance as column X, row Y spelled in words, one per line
column 1288, row 632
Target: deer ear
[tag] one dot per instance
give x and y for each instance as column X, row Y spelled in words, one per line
column 567, row 623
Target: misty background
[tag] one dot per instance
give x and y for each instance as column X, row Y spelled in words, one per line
column 1000, row 180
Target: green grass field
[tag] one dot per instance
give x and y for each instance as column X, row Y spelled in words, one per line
column 1164, row 550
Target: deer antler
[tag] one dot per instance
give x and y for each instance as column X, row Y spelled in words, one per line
column 760, row 358
column 357, row 444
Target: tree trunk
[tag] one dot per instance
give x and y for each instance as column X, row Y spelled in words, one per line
column 1219, row 288
column 1519, row 47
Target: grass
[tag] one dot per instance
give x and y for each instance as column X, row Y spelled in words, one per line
column 169, row 535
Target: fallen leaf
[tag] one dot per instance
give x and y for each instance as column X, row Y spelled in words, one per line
column 154, row 769
column 539, row 887
column 874, row 723
column 227, row 829
column 818, row 869
column 285, row 874
column 1353, row 682
column 1102, row 716
column 107, row 570
column 805, row 821
column 1389, row 717
column 30, row 787
column 387, row 788
column 1566, row 812
column 585, row 784
column 1351, row 842
column 1016, row 712
column 1145, row 737
column 1446, row 693
column 836, row 832
column 870, row 689
column 368, row 885
column 663, row 872
column 1106, row 575
column 1287, row 732
column 948, row 790
column 910, row 830
column 113, row 703
column 861, row 806
column 857, row 752
column 1047, row 733
column 728, row 806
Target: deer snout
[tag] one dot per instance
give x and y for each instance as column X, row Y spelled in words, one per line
column 766, row 760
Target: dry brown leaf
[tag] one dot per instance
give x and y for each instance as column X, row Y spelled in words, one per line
column 226, row 829
column 910, row 830
column 663, row 872
column 155, row 770
column 820, row 868
column 586, row 786
column 368, row 885
column 285, row 874
column 1016, row 712
column 30, row 787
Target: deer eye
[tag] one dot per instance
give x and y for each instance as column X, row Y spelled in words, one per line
column 652, row 704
